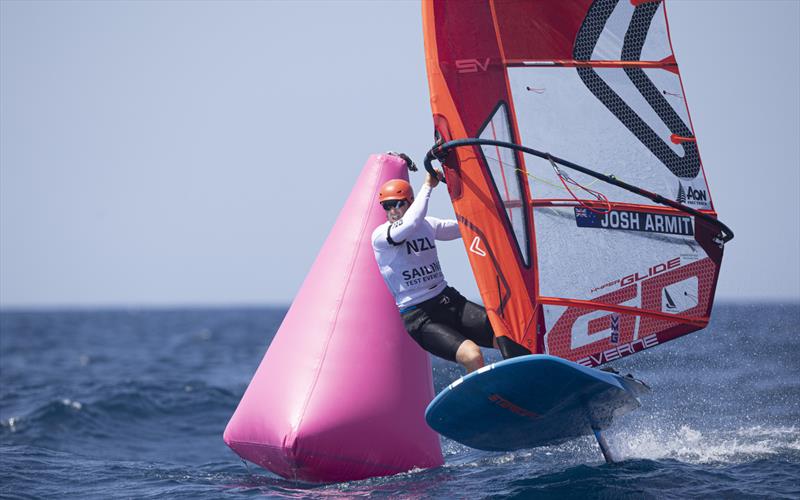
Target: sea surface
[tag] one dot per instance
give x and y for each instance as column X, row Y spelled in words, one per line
column 132, row 404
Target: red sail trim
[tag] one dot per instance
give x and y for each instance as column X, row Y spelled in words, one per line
column 496, row 24
column 532, row 286
column 588, row 304
column 524, row 188
column 557, row 21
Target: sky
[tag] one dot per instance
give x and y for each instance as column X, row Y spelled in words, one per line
column 197, row 153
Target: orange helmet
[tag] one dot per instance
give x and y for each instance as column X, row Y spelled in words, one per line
column 396, row 189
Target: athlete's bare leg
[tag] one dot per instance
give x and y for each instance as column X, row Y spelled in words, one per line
column 469, row 356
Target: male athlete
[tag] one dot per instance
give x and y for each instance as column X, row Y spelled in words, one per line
column 436, row 316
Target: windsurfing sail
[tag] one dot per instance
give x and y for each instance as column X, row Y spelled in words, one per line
column 574, row 172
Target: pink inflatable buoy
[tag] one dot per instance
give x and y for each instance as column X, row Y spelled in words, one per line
column 341, row 392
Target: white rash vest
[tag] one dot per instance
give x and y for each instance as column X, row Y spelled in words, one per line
column 406, row 252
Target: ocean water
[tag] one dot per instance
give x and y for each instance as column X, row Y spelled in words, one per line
column 132, row 404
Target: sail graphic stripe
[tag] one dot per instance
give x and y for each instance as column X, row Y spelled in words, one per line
column 594, row 305
column 686, row 166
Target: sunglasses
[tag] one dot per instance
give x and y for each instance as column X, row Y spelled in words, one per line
column 390, row 204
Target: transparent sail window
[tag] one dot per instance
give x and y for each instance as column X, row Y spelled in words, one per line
column 502, row 163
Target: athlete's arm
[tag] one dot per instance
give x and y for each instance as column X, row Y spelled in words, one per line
column 379, row 239
column 445, row 229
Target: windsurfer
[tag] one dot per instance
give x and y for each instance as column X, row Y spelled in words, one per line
column 436, row 315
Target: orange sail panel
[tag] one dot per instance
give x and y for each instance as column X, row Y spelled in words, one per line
column 566, row 264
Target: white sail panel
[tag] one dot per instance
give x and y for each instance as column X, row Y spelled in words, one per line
column 620, row 17
column 563, row 117
column 587, row 262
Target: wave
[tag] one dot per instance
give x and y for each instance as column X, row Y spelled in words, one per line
column 39, row 472
column 107, row 407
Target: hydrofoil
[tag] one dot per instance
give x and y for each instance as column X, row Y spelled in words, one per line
column 531, row 401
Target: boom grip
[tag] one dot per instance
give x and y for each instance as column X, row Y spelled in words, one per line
column 429, row 157
column 725, row 235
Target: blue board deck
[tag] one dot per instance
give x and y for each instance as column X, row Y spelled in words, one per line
column 531, row 401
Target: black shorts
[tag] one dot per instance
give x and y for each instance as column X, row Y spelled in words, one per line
column 439, row 325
